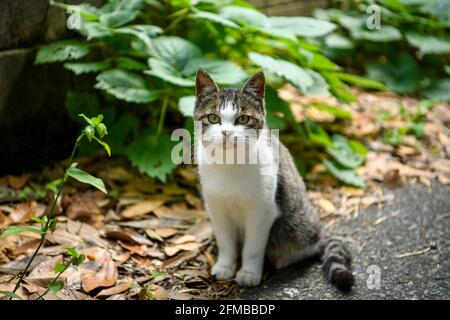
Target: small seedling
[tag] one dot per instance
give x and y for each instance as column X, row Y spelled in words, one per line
column 94, row 131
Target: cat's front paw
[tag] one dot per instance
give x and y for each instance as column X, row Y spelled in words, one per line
column 223, row 272
column 248, row 278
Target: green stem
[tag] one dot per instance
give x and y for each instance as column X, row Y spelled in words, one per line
column 50, row 214
column 162, row 116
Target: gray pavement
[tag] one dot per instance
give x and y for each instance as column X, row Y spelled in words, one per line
column 416, row 222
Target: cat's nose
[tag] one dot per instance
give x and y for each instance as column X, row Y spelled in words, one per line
column 226, row 133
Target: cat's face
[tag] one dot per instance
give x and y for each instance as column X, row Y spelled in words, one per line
column 229, row 116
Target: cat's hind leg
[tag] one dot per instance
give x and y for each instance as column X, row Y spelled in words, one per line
column 287, row 255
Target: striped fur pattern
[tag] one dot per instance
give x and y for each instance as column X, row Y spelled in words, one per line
column 257, row 216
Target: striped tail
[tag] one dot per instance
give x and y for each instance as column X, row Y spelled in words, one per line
column 337, row 264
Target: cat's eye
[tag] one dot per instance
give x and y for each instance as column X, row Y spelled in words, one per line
column 243, row 119
column 213, row 118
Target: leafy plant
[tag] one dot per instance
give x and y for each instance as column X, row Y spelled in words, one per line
column 145, row 54
column 94, row 130
column 409, row 51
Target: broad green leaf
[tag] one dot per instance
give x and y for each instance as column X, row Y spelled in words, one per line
column 278, row 111
column 358, row 147
column 319, row 87
column 151, row 154
column 343, row 153
column 347, row 176
column 384, row 34
column 210, row 16
column 187, row 105
column 337, row 41
column 95, row 30
column 126, row 85
column 165, row 71
column 86, row 67
column 125, row 63
column 19, row 229
column 298, row 26
column 317, row 134
column 175, row 51
column 222, row 71
column 85, row 177
column 72, row 252
column 439, row 90
column 428, row 43
column 360, row 81
column 56, row 286
column 296, row 75
column 401, row 74
column 338, row 88
column 245, row 16
column 10, row 294
column 336, row 111
column 118, row 18
column 61, row 51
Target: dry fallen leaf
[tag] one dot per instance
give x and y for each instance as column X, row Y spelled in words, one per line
column 141, row 208
column 114, row 290
column 105, row 277
column 18, row 182
column 23, row 212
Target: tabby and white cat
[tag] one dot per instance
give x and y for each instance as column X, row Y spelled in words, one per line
column 256, row 215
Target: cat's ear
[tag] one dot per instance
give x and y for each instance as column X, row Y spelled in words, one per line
column 203, row 81
column 256, row 84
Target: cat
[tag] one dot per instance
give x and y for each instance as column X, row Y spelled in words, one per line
column 255, row 214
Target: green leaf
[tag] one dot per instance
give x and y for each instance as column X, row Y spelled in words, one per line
column 296, row 75
column 56, row 286
column 244, row 16
column 89, row 131
column 72, row 252
column 428, row 43
column 101, row 130
column 338, row 88
column 384, row 34
column 298, row 26
column 59, row 267
column 151, row 154
column 126, row 85
column 319, row 87
column 187, row 105
column 86, row 67
column 126, row 63
column 19, row 229
column 222, row 71
column 52, row 224
column 337, row 41
column 401, row 74
column 360, row 81
column 175, row 51
column 317, row 134
column 85, row 177
column 210, row 16
column 347, row 176
column 439, row 90
column 336, row 111
column 278, row 111
column 10, row 294
column 61, row 51
column 343, row 153
column 104, row 145
column 118, row 18
column 95, row 30
column 165, row 71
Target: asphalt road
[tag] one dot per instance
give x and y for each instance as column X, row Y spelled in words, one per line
column 416, row 221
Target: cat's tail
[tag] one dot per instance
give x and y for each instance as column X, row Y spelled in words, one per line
column 337, row 262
